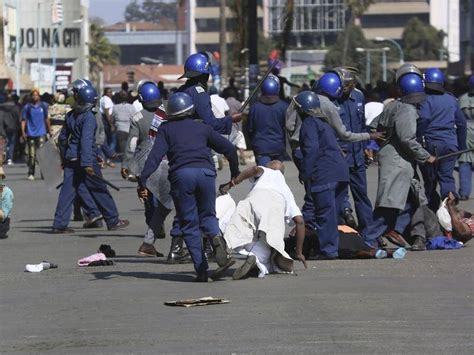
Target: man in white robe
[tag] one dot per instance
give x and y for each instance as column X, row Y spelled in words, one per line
column 257, row 227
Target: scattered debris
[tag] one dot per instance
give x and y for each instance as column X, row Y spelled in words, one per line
column 40, row 267
column 193, row 302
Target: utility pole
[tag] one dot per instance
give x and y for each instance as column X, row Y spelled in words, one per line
column 223, row 43
column 252, row 26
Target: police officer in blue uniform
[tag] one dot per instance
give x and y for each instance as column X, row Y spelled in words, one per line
column 351, row 110
column 442, row 130
column 266, row 123
column 81, row 170
column 196, row 69
column 187, row 144
column 324, row 169
column 399, row 152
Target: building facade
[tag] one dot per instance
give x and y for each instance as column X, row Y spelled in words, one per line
column 37, row 53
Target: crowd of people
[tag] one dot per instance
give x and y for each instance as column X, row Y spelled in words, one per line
column 170, row 144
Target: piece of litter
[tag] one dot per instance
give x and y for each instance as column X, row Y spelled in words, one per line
column 40, row 267
column 193, row 302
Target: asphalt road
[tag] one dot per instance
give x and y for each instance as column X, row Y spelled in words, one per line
column 422, row 304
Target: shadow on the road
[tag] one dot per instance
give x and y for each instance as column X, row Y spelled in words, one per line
column 107, row 235
column 35, row 220
column 176, row 276
column 139, row 260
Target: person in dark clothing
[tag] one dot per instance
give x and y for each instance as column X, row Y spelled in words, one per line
column 187, row 143
column 163, row 90
column 10, row 118
column 231, row 90
column 283, row 81
column 266, row 124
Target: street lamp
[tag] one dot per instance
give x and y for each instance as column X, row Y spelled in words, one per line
column 395, row 43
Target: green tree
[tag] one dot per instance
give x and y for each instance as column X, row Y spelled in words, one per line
column 150, row 11
column 421, row 41
column 355, row 37
column 101, row 52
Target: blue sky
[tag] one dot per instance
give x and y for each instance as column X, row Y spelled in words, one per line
column 110, row 11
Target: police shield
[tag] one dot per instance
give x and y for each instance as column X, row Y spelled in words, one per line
column 49, row 161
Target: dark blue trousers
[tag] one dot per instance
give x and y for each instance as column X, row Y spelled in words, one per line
column 441, row 173
column 263, row 160
column 308, row 206
column 327, row 201
column 74, row 185
column 362, row 204
column 194, row 195
column 102, row 197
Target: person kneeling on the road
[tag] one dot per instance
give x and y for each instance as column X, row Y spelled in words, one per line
column 257, row 227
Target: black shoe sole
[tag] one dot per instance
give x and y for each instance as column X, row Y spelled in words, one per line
column 243, row 270
column 219, row 272
column 221, row 255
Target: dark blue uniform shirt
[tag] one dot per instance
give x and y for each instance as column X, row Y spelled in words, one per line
column 203, row 108
column 441, row 121
column 266, row 127
column 187, row 143
column 351, row 111
column 323, row 162
column 77, row 137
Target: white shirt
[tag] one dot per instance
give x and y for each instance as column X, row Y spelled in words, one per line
column 137, row 105
column 274, row 180
column 219, row 106
column 106, row 103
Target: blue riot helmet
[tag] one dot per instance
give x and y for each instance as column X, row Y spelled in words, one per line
column 307, row 102
column 149, row 95
column 271, row 86
column 407, row 68
column 196, row 64
column 329, row 84
column 77, row 84
column 86, row 98
column 434, row 79
column 180, row 104
column 411, row 88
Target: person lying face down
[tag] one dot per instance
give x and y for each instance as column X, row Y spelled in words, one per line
column 257, row 227
column 462, row 221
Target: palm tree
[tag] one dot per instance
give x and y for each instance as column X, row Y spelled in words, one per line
column 101, row 51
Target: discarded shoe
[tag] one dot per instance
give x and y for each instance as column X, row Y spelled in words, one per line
column 107, row 250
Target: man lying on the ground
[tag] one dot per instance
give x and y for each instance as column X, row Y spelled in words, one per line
column 257, row 227
column 462, row 221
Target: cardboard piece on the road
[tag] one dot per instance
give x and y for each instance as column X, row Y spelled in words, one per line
column 193, row 302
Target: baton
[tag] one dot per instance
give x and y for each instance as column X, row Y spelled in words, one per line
column 101, row 179
column 252, row 94
column 449, row 155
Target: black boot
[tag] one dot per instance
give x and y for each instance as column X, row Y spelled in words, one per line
column 201, row 277
column 419, row 244
column 349, row 218
column 223, row 253
column 177, row 254
column 208, row 250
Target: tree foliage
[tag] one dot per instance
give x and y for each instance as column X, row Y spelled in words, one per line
column 150, row 11
column 421, row 41
column 355, row 38
column 101, row 51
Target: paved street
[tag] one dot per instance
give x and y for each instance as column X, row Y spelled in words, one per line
column 423, row 304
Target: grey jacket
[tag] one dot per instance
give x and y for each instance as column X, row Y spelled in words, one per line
column 331, row 115
column 397, row 156
column 139, row 126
